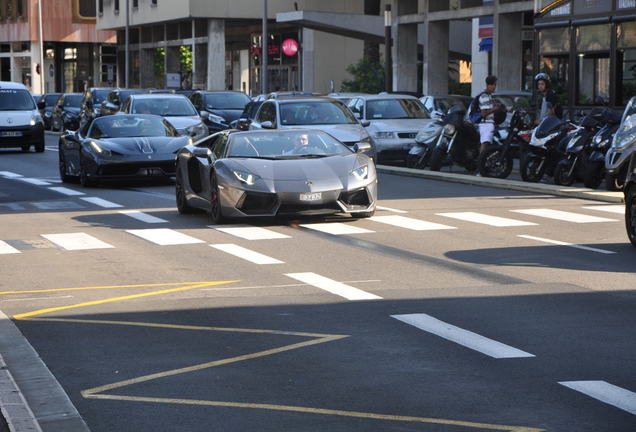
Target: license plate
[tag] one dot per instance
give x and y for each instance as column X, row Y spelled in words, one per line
column 311, row 196
column 11, row 133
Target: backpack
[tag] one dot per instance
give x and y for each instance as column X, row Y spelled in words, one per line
column 474, row 113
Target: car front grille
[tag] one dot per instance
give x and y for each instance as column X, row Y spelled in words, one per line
column 355, row 198
column 252, row 203
column 132, row 169
column 407, row 135
column 308, row 209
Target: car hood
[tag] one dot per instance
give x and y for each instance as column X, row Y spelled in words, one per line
column 72, row 110
column 228, row 114
column 143, row 145
column 400, row 125
column 182, row 122
column 346, row 133
column 16, row 118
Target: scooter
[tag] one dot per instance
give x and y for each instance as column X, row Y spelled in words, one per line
column 420, row 154
column 544, row 149
column 497, row 160
column 623, row 145
column 595, row 163
column 458, row 142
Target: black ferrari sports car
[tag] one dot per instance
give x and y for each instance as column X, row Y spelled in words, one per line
column 235, row 174
column 120, row 146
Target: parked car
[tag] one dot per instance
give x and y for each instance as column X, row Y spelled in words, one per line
column 219, row 109
column 21, row 124
column 247, row 116
column 394, row 121
column 116, row 98
column 91, row 106
column 160, row 91
column 177, row 109
column 45, row 105
column 345, row 98
column 65, row 114
column 319, row 113
column 439, row 105
column 275, row 172
column 121, row 146
column 36, row 97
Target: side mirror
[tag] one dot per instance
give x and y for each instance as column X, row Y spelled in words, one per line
column 41, row 105
column 202, row 152
column 365, row 123
column 362, row 147
column 267, row 125
column 204, row 115
column 71, row 136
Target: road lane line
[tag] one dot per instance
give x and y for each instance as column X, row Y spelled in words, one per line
column 66, row 191
column 605, row 392
column 33, row 181
column 101, row 202
column 36, row 298
column 332, row 286
column 144, row 217
column 463, row 337
column 164, row 236
column 486, row 219
column 6, row 249
column 410, row 223
column 336, row 228
column 391, row 209
column 248, row 232
column 9, row 174
column 279, row 286
column 563, row 215
column 51, row 148
column 246, row 254
column 617, row 209
column 77, row 241
column 560, row 243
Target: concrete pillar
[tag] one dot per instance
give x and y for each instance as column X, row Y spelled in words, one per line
column 507, row 51
column 36, row 79
column 15, row 72
column 405, row 58
column 200, row 70
column 216, row 55
column 479, row 62
column 147, row 70
column 435, row 67
column 308, row 61
column 245, row 72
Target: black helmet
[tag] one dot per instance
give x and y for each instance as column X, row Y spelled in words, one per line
column 542, row 76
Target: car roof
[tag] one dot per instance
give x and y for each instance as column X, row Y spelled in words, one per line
column 304, row 99
column 73, row 94
column 12, row 85
column 388, row 96
column 158, row 96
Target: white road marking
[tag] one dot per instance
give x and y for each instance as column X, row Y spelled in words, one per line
column 560, row 243
column 144, row 217
column 36, row 298
column 164, row 236
column 51, row 148
column 605, row 392
column 246, row 254
column 486, row 219
column 391, row 209
column 248, row 232
column 332, row 286
column 618, row 209
column 77, row 241
column 278, row 286
column 101, row 202
column 66, row 191
column 6, row 249
column 410, row 223
column 336, row 228
column 9, row 174
column 463, row 337
column 563, row 215
column 34, row 181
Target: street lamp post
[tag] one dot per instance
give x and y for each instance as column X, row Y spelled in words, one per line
column 41, row 47
column 264, row 51
column 388, row 57
column 127, row 53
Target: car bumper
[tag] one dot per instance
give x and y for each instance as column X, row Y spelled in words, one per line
column 28, row 135
column 131, row 168
column 397, row 148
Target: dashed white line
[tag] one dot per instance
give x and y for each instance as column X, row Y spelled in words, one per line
column 279, row 286
column 332, row 286
column 164, row 236
column 410, row 223
column 563, row 215
column 462, row 337
column 101, row 202
column 66, row 191
column 33, row 181
column 9, row 174
column 560, row 243
column 6, row 249
column 336, row 228
column 144, row 217
column 77, row 241
column 617, row 209
column 486, row 219
column 605, row 392
column 246, row 254
column 250, row 232
column 391, row 209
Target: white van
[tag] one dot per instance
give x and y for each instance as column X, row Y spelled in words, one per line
column 20, row 121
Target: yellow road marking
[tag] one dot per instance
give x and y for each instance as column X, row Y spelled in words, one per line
column 100, row 287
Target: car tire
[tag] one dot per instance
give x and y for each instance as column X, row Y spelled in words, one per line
column 63, row 169
column 216, row 211
column 363, row 215
column 85, row 180
column 630, row 214
column 39, row 147
column 182, row 202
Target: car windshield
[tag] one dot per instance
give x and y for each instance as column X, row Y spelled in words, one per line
column 164, row 106
column 444, row 104
column 315, row 113
column 289, row 144
column 72, row 101
column 51, row 99
column 99, row 96
column 226, row 101
column 395, row 109
column 123, row 126
column 16, row 100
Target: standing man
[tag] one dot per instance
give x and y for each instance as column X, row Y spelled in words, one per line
column 549, row 100
column 487, row 107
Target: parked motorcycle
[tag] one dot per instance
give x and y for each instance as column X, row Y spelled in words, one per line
column 544, row 150
column 497, row 160
column 458, row 142
column 595, row 163
column 623, row 145
column 420, row 154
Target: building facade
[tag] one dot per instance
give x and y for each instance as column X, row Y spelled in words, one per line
column 75, row 53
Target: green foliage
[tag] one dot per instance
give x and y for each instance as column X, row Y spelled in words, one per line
column 368, row 77
column 185, row 57
column 160, row 54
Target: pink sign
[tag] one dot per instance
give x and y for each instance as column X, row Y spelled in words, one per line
column 290, row 47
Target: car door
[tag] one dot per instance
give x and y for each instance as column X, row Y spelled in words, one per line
column 267, row 113
column 199, row 165
column 71, row 147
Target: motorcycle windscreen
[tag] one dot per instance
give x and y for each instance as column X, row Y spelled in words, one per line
column 548, row 126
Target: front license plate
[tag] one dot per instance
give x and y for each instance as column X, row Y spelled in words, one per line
column 11, row 134
column 311, row 196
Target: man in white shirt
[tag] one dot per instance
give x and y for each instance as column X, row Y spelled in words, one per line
column 487, row 108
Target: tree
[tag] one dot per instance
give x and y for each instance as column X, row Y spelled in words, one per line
column 368, row 77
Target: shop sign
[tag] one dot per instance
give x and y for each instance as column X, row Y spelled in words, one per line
column 271, row 50
column 290, row 47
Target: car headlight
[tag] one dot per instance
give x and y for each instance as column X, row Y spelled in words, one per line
column 361, row 173
column 98, row 149
column 428, row 133
column 216, row 119
column 385, row 135
column 449, row 129
column 35, row 119
column 245, row 177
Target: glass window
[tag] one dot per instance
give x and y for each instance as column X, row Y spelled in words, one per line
column 395, row 109
column 626, row 35
column 174, row 107
column 16, row 100
column 314, row 113
column 228, row 101
column 130, row 126
column 591, row 6
column 99, row 96
column 554, row 40
column 593, row 38
column 593, row 76
column 219, row 146
column 267, row 113
column 624, row 4
column 73, row 100
column 285, row 144
column 557, row 68
column 626, row 82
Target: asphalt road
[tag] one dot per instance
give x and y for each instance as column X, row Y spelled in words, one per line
column 424, row 318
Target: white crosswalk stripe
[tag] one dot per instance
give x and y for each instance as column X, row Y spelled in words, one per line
column 144, row 217
column 391, row 209
column 9, row 174
column 248, row 232
column 76, row 241
column 164, row 236
column 33, row 181
column 336, row 228
column 486, row 219
column 66, row 191
column 6, row 248
column 101, row 202
column 563, row 215
column 617, row 209
column 246, row 254
column 332, row 286
column 605, row 392
column 560, row 243
column 410, row 223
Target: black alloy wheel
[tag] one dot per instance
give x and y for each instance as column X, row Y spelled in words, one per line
column 437, row 159
column 532, row 168
column 85, row 179
column 180, row 195
column 39, row 147
column 563, row 173
column 63, row 168
column 494, row 163
column 216, row 212
column 630, row 214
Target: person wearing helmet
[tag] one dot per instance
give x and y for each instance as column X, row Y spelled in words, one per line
column 549, row 100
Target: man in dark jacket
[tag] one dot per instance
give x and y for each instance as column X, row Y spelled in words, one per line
column 549, row 100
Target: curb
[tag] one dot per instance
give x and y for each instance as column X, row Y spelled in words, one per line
column 34, row 400
column 564, row 191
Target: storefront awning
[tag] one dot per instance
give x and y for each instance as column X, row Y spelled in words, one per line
column 359, row 26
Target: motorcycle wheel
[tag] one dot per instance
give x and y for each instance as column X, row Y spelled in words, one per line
column 532, row 168
column 630, row 214
column 493, row 163
column 437, row 159
column 562, row 174
column 417, row 161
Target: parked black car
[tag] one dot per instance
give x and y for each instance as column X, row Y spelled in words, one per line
column 49, row 100
column 65, row 115
column 116, row 99
column 219, row 109
column 92, row 101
